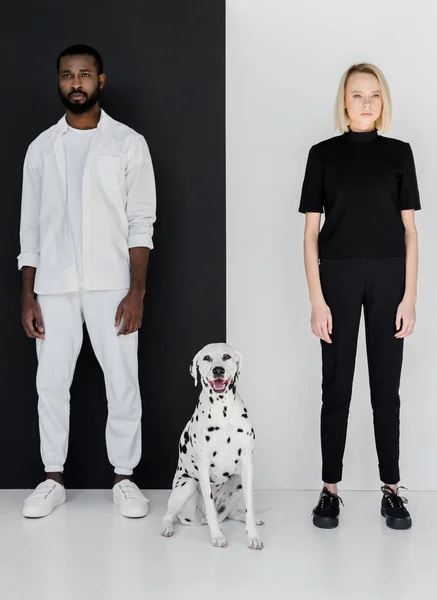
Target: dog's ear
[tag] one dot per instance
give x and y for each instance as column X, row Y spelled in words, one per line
column 239, row 361
column 194, row 367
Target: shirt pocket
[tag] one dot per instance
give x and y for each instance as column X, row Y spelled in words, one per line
column 109, row 168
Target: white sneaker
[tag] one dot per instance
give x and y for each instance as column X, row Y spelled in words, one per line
column 47, row 496
column 130, row 500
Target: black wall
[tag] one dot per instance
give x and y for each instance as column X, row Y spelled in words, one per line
column 165, row 63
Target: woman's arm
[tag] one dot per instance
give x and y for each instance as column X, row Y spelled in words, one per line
column 406, row 314
column 321, row 318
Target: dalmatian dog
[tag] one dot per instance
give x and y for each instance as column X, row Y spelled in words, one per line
column 215, row 472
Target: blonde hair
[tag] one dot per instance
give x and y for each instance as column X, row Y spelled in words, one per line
column 342, row 120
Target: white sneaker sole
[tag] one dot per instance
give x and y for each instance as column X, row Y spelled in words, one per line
column 32, row 512
column 133, row 513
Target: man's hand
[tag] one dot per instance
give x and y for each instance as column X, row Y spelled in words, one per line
column 130, row 311
column 31, row 317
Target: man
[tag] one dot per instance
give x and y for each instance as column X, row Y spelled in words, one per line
column 88, row 209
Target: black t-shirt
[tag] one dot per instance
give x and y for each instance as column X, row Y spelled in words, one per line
column 362, row 181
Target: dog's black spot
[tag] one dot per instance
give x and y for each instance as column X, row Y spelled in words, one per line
column 240, row 431
column 197, row 417
column 225, row 474
column 185, row 475
column 211, row 496
column 245, row 409
column 221, row 397
column 194, row 435
column 221, row 509
column 239, row 452
column 183, row 484
column 186, row 436
column 244, row 416
column 187, row 520
column 209, row 416
column 184, row 449
column 236, row 461
column 207, row 438
column 239, row 487
column 211, row 428
column 224, row 414
column 217, row 428
column 214, row 453
column 197, row 468
column 229, row 440
column 195, row 479
column 212, row 465
column 211, row 400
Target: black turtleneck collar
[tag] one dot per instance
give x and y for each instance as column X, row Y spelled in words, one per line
column 361, row 136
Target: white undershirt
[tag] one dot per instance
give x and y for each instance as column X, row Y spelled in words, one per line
column 76, row 146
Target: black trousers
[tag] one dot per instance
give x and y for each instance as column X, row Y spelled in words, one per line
column 378, row 285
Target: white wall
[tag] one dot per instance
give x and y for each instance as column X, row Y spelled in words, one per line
column 284, row 62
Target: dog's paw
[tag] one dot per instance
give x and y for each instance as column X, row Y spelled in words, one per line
column 254, row 542
column 167, row 531
column 219, row 541
column 259, row 521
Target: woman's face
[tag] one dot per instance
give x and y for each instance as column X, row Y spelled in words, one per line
column 363, row 101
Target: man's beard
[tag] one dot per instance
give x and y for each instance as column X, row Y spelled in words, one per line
column 82, row 107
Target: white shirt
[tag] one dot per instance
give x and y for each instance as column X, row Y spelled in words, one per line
column 76, row 146
column 118, row 209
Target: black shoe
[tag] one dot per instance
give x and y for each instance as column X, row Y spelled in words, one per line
column 325, row 514
column 393, row 509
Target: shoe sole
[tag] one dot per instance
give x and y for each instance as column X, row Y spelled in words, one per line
column 325, row 522
column 133, row 514
column 38, row 514
column 393, row 523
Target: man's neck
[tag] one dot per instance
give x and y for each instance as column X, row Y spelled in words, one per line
column 88, row 120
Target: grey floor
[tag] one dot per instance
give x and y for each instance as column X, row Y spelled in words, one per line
column 85, row 550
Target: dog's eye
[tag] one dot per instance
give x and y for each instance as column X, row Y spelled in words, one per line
column 226, row 357
column 207, row 358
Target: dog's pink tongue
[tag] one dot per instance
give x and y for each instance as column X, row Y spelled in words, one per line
column 219, row 384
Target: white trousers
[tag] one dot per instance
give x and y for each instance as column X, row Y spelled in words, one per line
column 63, row 317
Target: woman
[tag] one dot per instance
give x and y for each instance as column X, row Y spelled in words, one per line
column 365, row 255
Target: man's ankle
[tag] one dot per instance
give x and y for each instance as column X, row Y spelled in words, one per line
column 119, row 478
column 55, row 477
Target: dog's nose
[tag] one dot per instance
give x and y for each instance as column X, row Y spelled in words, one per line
column 218, row 371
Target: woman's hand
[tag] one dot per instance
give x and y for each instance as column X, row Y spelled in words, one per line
column 405, row 317
column 321, row 321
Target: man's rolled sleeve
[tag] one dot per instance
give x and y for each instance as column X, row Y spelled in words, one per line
column 141, row 194
column 30, row 209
